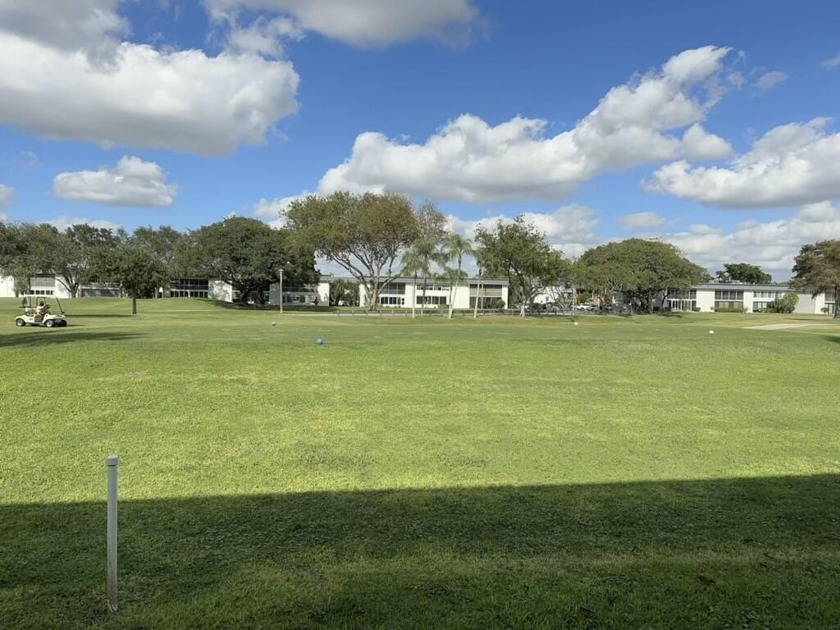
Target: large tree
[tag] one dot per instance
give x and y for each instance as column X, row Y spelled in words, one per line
column 642, row 270
column 27, row 250
column 519, row 252
column 163, row 242
column 743, row 272
column 139, row 271
column 250, row 256
column 344, row 292
column 363, row 234
column 817, row 269
column 80, row 255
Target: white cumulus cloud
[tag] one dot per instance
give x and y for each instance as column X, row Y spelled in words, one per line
column 6, row 193
column 364, row 22
column 81, row 82
column 769, row 80
column 132, row 182
column 833, row 62
column 63, row 222
column 772, row 245
column 654, row 118
column 263, row 36
column 64, row 25
column 570, row 229
column 790, row 165
column 637, row 220
column 273, row 210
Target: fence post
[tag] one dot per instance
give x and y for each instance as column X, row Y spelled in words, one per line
column 113, row 464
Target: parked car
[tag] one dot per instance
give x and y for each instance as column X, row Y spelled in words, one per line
column 616, row 309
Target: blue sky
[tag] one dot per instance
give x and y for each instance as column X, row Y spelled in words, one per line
column 710, row 125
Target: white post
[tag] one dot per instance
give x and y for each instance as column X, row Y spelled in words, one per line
column 281, row 291
column 113, row 463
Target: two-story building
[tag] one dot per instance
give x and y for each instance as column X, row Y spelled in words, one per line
column 745, row 298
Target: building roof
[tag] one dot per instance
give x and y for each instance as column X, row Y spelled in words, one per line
column 744, row 286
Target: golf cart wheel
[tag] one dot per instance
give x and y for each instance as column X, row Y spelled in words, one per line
column 49, row 323
column 20, row 323
column 63, row 323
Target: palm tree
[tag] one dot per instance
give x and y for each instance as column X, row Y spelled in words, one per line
column 455, row 247
column 418, row 262
column 412, row 266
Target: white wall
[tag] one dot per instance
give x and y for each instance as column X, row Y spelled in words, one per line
column 706, row 300
column 324, row 293
column 7, row 286
column 807, row 304
column 220, row 290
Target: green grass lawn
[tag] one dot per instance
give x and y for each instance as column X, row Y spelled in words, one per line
column 621, row 473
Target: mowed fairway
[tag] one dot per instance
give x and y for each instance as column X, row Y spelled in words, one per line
column 625, row 472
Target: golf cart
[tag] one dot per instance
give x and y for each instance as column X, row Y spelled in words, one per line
column 37, row 311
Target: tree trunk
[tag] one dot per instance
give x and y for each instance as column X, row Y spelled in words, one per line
column 477, row 297
column 373, row 295
column 133, row 305
column 414, row 298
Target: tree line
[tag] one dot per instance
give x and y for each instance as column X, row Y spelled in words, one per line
column 246, row 253
column 375, row 238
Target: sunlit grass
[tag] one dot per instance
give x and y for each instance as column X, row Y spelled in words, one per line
column 411, row 473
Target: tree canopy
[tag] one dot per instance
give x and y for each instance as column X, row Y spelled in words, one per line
column 80, row 255
column 641, row 270
column 817, row 269
column 743, row 272
column 364, row 234
column 139, row 271
column 26, row 250
column 250, row 256
column 519, row 252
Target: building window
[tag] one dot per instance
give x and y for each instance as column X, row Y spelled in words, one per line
column 394, row 288
column 730, row 306
column 485, row 302
column 487, row 290
column 729, row 296
column 682, row 305
column 190, row 287
column 436, row 300
column 682, row 294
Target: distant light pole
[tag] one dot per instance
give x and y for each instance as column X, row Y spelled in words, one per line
column 281, row 291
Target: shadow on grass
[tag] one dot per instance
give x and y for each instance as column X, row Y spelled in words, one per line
column 97, row 315
column 46, row 337
column 729, row 553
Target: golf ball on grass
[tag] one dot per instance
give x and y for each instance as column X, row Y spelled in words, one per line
column 273, row 323
column 319, row 341
column 576, row 323
column 711, row 332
